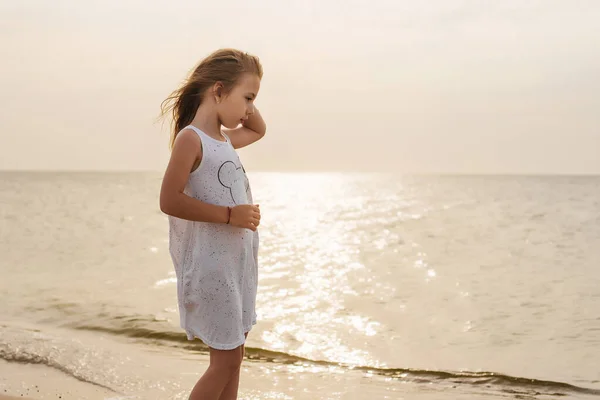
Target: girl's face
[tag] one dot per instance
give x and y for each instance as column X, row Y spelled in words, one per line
column 238, row 104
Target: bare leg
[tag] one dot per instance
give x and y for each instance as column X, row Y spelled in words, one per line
column 224, row 365
column 231, row 390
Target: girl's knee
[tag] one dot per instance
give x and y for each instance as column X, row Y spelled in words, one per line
column 227, row 361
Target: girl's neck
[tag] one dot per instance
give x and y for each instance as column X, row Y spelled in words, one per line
column 207, row 120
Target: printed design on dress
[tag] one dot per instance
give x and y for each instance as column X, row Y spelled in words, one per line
column 234, row 178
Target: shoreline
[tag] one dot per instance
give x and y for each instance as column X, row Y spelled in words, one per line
column 38, row 382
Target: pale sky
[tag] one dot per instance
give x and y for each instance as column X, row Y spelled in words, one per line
column 437, row 86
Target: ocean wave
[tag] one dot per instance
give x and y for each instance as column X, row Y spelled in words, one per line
column 24, row 357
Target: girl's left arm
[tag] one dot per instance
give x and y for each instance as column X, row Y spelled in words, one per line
column 252, row 130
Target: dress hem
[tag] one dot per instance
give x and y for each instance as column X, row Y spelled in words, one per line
column 218, row 346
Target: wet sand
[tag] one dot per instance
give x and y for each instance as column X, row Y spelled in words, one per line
column 29, row 381
column 11, row 398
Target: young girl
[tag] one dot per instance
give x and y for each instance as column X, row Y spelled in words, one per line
column 212, row 220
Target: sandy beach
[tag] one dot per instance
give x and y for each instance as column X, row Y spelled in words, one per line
column 29, row 381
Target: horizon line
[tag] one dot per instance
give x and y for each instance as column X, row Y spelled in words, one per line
column 294, row 171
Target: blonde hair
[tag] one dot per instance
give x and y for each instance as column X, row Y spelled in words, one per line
column 225, row 66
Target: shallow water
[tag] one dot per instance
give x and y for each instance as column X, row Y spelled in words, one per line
column 370, row 286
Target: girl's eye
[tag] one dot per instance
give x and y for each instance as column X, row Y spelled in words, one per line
column 249, row 98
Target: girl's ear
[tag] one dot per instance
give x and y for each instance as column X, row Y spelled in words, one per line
column 218, row 91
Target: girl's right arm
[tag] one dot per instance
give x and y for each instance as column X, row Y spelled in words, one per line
column 187, row 151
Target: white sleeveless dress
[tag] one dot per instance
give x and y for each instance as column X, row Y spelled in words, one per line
column 216, row 264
